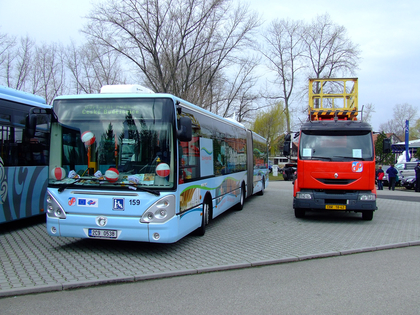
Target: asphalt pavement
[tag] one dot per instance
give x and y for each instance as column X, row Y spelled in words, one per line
column 265, row 232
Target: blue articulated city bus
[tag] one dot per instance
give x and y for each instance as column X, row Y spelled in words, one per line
column 23, row 157
column 129, row 164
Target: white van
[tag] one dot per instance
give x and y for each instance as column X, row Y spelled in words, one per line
column 406, row 169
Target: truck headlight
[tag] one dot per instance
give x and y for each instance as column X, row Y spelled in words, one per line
column 367, row 197
column 303, row 195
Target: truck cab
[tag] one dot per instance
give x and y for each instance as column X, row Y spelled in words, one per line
column 336, row 157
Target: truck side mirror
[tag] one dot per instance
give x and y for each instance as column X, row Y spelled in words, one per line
column 387, row 145
column 286, row 148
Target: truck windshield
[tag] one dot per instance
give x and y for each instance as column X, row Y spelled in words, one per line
column 336, row 147
column 113, row 143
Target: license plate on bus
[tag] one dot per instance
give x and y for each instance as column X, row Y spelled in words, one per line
column 335, row 207
column 102, row 233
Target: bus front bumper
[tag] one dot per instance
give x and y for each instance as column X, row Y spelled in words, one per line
column 113, row 228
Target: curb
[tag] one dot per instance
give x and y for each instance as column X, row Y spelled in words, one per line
column 185, row 272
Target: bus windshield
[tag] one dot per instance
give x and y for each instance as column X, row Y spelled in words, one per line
column 124, row 142
column 336, row 147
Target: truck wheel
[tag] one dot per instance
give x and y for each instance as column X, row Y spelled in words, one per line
column 367, row 215
column 299, row 213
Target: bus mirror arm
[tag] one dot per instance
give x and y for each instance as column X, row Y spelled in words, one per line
column 30, row 124
column 184, row 131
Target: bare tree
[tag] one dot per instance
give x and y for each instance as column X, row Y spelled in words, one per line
column 240, row 95
column 17, row 63
column 402, row 112
column 48, row 73
column 91, row 66
column 284, row 52
column 7, row 44
column 179, row 46
column 368, row 109
column 329, row 51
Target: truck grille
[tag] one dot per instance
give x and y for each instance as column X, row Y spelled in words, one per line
column 330, row 181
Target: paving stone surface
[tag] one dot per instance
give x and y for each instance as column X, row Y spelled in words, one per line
column 264, row 232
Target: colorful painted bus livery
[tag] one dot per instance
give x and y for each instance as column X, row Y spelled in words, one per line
column 23, row 157
column 148, row 167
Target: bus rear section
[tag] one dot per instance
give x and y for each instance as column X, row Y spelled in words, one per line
column 144, row 167
column 23, row 156
column 336, row 168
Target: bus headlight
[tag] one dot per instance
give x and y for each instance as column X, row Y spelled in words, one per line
column 54, row 209
column 161, row 211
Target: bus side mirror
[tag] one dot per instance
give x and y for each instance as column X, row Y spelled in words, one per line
column 387, row 145
column 184, row 131
column 30, row 125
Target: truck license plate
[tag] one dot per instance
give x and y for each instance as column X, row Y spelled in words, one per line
column 102, row 233
column 335, row 207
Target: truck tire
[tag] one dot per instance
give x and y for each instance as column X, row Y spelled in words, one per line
column 367, row 215
column 299, row 213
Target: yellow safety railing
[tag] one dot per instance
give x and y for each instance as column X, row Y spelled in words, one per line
column 333, row 97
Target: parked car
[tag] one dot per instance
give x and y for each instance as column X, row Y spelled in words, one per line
column 405, row 170
column 289, row 171
column 409, row 182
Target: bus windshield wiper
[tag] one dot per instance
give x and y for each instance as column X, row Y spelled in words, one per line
column 64, row 186
column 138, row 186
column 76, row 180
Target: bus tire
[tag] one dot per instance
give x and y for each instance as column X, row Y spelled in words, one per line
column 299, row 213
column 261, row 192
column 240, row 205
column 205, row 218
column 367, row 215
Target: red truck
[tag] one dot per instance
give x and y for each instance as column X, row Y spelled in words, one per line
column 336, row 154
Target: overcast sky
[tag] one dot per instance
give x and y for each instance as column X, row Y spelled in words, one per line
column 387, row 33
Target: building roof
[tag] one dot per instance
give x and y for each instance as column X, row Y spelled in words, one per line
column 399, row 147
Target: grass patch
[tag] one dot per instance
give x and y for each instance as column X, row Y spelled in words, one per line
column 275, row 178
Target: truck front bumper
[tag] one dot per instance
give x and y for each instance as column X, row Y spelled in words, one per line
column 335, row 200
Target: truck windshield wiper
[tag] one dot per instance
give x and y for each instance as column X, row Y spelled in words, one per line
column 349, row 157
column 321, row 158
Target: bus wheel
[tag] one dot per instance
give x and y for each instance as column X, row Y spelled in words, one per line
column 299, row 213
column 261, row 192
column 367, row 215
column 240, row 205
column 205, row 219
